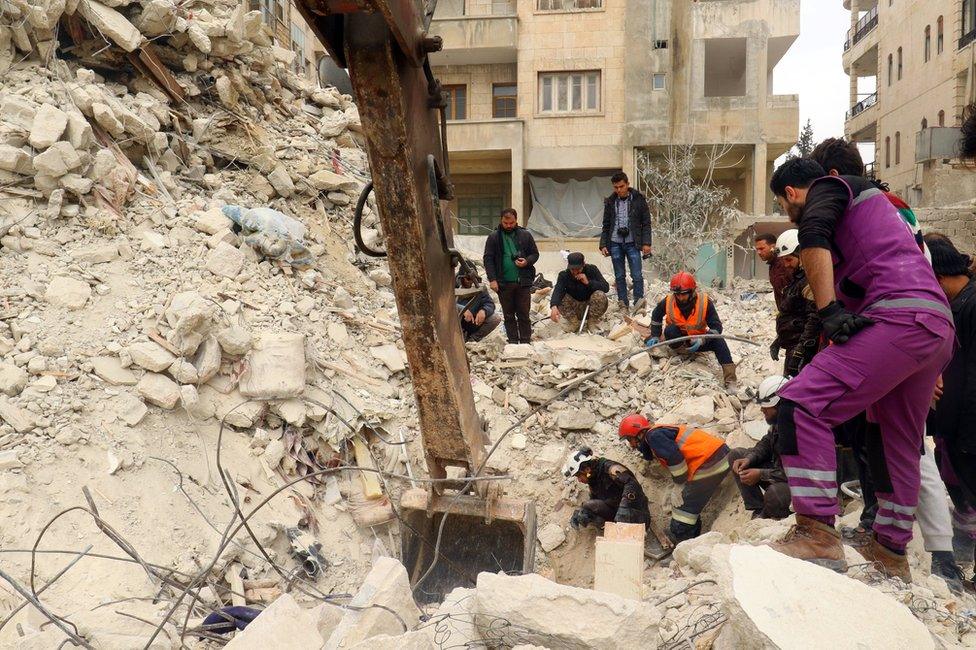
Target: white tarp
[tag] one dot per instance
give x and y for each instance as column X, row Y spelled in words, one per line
column 573, row 209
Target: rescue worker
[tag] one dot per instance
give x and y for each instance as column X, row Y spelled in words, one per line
column 797, row 324
column 758, row 472
column 892, row 334
column 954, row 419
column 615, row 493
column 840, row 157
column 476, row 309
column 779, row 275
column 697, row 461
column 580, row 290
column 685, row 312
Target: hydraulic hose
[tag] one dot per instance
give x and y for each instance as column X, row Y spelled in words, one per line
column 357, row 224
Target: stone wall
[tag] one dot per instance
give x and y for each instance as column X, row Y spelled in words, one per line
column 958, row 224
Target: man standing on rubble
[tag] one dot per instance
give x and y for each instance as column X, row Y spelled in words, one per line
column 697, row 461
column 758, row 472
column 779, row 274
column 580, row 291
column 626, row 236
column 686, row 311
column 615, row 493
column 797, row 323
column 476, row 309
column 510, row 257
column 892, row 336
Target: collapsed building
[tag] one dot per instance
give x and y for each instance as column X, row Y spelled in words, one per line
column 187, row 334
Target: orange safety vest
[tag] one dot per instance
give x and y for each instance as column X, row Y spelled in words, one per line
column 694, row 323
column 696, row 446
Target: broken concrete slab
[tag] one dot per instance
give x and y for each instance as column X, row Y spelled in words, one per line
column 151, row 356
column 225, row 261
column 96, row 254
column 48, row 125
column 576, row 420
column 59, row 159
column 159, row 390
column 234, row 408
column 206, row 361
column 548, row 613
column 282, row 625
column 21, row 420
column 326, row 181
column 129, row 408
column 67, row 292
column 579, row 352
column 13, row 379
column 550, row 536
column 110, row 370
column 619, row 561
column 391, row 356
column 234, row 340
column 694, row 410
column 386, row 585
column 210, row 221
column 774, row 601
column 16, row 160
column 275, row 367
column 112, row 24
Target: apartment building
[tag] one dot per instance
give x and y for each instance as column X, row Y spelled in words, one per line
column 547, row 98
column 911, row 69
column 292, row 33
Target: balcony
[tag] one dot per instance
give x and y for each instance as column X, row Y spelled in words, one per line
column 967, row 38
column 863, row 5
column 484, row 135
column 862, row 28
column 479, row 38
column 862, row 106
column 862, row 120
column 937, row 143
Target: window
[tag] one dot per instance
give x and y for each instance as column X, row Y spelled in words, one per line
column 457, row 102
column 660, row 45
column 940, row 37
column 887, row 152
column 271, row 10
column 927, row 50
column 900, row 62
column 478, row 215
column 300, row 64
column 897, row 147
column 569, row 92
column 659, row 81
column 968, row 22
column 503, row 100
column 941, row 118
column 891, row 64
column 725, row 67
column 567, row 5
column 925, row 123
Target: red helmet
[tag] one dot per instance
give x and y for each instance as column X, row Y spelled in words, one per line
column 632, row 425
column 683, row 282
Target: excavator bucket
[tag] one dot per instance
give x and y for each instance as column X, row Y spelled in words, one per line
column 479, row 535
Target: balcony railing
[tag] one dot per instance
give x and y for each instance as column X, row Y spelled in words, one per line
column 967, row 39
column 861, row 29
column 863, row 105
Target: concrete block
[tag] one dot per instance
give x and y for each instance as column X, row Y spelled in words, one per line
column 283, row 625
column 619, row 561
column 387, row 585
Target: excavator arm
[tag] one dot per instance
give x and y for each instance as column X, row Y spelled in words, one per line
column 384, row 44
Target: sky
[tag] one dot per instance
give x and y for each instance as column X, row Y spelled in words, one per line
column 813, row 70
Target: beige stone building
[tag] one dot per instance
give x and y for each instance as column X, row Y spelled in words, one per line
column 911, row 68
column 547, row 98
column 292, row 33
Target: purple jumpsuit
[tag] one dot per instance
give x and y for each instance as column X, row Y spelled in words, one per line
column 888, row 369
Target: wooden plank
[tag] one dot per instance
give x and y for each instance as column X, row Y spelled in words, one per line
column 371, row 482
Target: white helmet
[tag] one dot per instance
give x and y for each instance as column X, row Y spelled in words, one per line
column 576, row 460
column 768, row 388
column 788, row 243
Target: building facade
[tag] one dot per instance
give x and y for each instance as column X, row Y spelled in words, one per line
column 291, row 32
column 547, row 98
column 910, row 64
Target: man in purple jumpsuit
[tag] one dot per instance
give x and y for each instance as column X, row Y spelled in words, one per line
column 892, row 334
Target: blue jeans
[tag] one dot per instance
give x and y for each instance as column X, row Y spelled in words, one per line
column 632, row 254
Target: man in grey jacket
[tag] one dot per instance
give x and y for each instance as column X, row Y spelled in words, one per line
column 626, row 236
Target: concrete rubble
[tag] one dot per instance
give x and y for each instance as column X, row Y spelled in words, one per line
column 138, row 332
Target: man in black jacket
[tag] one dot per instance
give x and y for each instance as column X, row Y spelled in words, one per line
column 955, row 411
column 615, row 493
column 758, row 472
column 626, row 235
column 476, row 309
column 580, row 290
column 510, row 257
column 797, row 323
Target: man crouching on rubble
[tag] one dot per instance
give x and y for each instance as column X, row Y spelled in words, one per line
column 697, row 461
column 615, row 493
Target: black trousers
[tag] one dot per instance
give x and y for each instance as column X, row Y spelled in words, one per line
column 516, row 302
column 718, row 346
column 771, row 499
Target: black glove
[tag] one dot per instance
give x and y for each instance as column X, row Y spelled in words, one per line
column 580, row 519
column 839, row 325
column 774, row 350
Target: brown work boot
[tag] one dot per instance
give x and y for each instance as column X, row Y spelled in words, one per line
column 893, row 564
column 728, row 376
column 814, row 542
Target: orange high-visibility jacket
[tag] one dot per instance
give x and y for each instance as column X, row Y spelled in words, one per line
column 696, row 446
column 694, row 323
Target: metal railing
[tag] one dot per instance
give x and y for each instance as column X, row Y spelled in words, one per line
column 861, row 29
column 863, row 105
column 567, row 5
column 967, row 39
column 869, row 170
